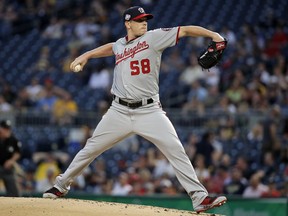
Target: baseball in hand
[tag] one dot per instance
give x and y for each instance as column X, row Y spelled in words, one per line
column 77, row 68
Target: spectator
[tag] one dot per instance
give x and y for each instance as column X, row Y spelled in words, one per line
column 261, row 71
column 213, row 77
column 278, row 40
column 161, row 164
column 4, row 105
column 216, row 183
column 236, row 184
column 193, row 72
column 256, row 85
column 85, row 31
column 51, row 87
column 205, row 147
column 64, row 110
column 47, row 103
column 97, row 177
column 258, row 101
column 196, row 98
column 107, row 187
column 236, row 92
column 198, row 91
column 47, row 182
column 226, row 161
column 34, row 89
column 242, row 164
column 100, row 78
column 45, row 163
column 225, row 106
column 201, row 171
column 255, row 188
column 272, row 192
column 227, row 129
column 23, row 102
column 256, row 133
column 54, row 30
column 121, row 186
column 145, row 184
column 166, row 186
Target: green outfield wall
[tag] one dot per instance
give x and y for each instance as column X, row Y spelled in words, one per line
column 234, row 207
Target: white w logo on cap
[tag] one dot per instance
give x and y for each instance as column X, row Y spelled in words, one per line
column 127, row 17
column 141, row 10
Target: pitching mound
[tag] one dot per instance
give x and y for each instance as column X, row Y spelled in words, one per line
column 75, row 207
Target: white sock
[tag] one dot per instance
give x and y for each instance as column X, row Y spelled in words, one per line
column 198, row 197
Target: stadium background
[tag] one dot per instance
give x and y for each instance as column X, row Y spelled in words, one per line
column 235, row 115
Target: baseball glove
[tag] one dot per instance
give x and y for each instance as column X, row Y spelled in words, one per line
column 212, row 55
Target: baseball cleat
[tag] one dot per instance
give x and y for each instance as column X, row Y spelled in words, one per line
column 53, row 193
column 210, row 202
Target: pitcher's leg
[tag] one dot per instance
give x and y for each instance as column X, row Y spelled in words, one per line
column 113, row 127
column 157, row 128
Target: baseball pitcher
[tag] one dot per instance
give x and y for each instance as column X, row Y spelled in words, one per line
column 136, row 108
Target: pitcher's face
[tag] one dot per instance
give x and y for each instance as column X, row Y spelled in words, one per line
column 137, row 27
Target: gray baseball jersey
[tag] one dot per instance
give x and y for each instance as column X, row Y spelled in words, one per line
column 136, row 77
column 136, row 73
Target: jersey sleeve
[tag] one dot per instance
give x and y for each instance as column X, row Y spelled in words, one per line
column 114, row 47
column 164, row 37
column 116, row 44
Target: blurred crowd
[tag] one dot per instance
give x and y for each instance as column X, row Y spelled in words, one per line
column 252, row 79
column 134, row 167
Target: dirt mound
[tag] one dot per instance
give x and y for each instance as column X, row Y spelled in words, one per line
column 75, row 207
